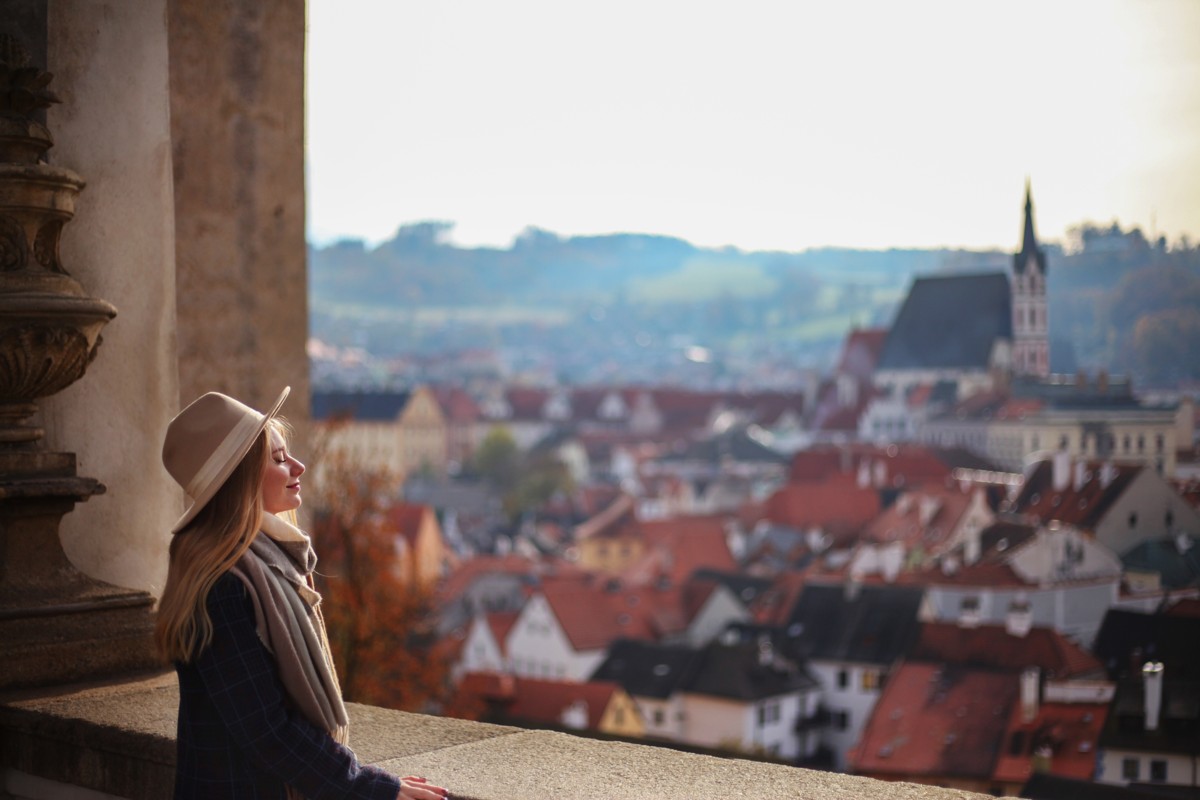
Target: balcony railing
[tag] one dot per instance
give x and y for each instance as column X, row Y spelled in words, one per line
column 118, row 738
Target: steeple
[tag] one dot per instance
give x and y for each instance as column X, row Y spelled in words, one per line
column 1027, row 283
column 1030, row 252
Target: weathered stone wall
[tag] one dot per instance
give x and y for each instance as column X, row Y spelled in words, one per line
column 237, row 122
column 109, row 59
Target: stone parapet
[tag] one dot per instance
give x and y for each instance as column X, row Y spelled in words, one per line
column 118, row 738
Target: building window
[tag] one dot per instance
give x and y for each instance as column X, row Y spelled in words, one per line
column 1125, row 443
column 870, row 680
column 840, row 719
column 1129, row 769
column 768, row 713
column 1141, row 443
column 658, row 716
column 1063, row 442
column 843, row 679
column 1158, row 443
column 1158, row 770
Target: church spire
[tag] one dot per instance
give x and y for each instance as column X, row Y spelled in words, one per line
column 1030, row 253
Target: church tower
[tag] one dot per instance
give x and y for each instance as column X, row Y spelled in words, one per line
column 1031, row 334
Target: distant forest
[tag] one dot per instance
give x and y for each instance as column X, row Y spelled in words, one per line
column 1117, row 301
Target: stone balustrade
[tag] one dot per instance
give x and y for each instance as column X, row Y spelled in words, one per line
column 117, row 738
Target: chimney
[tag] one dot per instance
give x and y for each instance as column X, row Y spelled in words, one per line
column 1080, row 475
column 1030, row 692
column 1152, row 680
column 1107, row 473
column 864, row 474
column 1019, row 620
column 1061, row 471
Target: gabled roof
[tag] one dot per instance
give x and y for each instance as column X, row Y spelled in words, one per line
column 869, row 625
column 456, row 404
column 364, row 406
column 1083, row 507
column 406, row 519
column 648, row 669
column 949, row 322
column 861, row 351
column 922, row 518
column 679, row 546
column 500, row 623
column 594, row 614
column 746, row 672
column 933, row 721
column 993, row 647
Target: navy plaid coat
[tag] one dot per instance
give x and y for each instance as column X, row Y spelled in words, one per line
column 239, row 738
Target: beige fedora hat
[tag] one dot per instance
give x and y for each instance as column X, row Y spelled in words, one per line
column 207, row 440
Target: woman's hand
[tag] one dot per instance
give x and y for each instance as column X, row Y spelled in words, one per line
column 412, row 788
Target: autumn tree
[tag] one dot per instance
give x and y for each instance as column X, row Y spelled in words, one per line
column 380, row 627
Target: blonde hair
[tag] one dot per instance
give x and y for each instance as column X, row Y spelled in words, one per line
column 205, row 550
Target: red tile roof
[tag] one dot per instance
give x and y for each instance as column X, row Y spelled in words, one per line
column 533, row 700
column 1083, row 507
column 594, row 614
column 406, row 519
column 500, row 623
column 921, row 518
column 838, row 505
column 903, row 465
column 1063, row 736
column 861, row 351
column 933, row 721
column 992, row 646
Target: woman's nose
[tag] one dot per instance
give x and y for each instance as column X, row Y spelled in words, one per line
column 297, row 467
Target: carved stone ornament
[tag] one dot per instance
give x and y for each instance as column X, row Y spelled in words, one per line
column 49, row 328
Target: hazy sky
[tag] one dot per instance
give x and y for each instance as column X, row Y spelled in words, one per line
column 763, row 125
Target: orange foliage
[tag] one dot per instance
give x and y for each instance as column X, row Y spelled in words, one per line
column 380, row 628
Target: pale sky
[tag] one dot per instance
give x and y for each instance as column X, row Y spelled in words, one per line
column 762, row 124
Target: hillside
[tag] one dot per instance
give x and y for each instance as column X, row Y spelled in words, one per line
column 1117, row 302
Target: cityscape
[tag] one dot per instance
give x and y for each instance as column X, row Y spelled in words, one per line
column 948, row 554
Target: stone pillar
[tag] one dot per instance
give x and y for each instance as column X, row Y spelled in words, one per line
column 237, row 121
column 56, row 623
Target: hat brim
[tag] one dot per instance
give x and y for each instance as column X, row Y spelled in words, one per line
column 243, row 447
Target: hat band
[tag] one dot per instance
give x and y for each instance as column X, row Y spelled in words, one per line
column 227, row 451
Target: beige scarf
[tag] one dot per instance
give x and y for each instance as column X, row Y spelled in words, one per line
column 278, row 569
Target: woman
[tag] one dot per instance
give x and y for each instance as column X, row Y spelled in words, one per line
column 260, row 709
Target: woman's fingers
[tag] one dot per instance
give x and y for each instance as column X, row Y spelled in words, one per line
column 415, row 788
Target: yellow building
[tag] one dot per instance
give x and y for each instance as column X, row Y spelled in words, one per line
column 397, row 433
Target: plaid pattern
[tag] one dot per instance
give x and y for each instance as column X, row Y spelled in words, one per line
column 238, row 736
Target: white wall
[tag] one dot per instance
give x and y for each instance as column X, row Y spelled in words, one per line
column 853, row 700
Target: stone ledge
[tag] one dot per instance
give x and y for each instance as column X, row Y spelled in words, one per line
column 118, row 737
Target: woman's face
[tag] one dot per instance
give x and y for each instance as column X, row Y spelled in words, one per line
column 281, row 477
